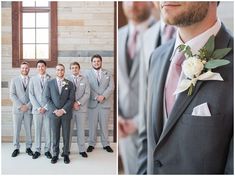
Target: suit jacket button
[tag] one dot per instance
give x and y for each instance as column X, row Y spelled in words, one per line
column 158, row 163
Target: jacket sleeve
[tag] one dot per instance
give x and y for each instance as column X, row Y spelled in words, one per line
column 13, row 95
column 32, row 98
column 86, row 95
column 109, row 90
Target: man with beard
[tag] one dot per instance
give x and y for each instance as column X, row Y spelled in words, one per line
column 129, row 44
column 19, row 95
column 59, row 95
column 101, row 85
column 188, row 134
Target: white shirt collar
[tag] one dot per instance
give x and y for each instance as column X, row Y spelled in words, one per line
column 200, row 40
column 58, row 79
column 27, row 77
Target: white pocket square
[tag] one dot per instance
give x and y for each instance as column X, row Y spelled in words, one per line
column 201, row 110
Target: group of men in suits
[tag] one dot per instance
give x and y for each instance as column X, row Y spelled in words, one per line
column 59, row 103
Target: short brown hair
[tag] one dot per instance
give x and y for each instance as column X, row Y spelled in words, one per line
column 60, row 65
column 75, row 63
column 96, row 56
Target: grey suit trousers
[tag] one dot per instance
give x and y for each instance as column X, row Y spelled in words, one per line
column 56, row 123
column 17, row 123
column 79, row 120
column 42, row 121
column 98, row 115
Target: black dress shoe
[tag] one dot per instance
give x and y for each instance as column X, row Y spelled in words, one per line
column 108, row 149
column 90, row 148
column 29, row 151
column 62, row 154
column 48, row 155
column 15, row 153
column 66, row 159
column 54, row 159
column 83, row 154
column 36, row 155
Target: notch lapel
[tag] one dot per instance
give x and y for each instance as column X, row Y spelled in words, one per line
column 158, row 83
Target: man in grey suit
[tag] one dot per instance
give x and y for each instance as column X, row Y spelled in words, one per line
column 40, row 114
column 19, row 95
column 82, row 95
column 101, row 84
column 139, row 20
column 181, row 141
column 59, row 96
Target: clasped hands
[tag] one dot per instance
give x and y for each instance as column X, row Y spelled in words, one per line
column 100, row 98
column 59, row 112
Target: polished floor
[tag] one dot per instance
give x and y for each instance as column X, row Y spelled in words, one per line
column 98, row 162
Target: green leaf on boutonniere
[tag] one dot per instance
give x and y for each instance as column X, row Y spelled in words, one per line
column 216, row 63
column 185, row 49
column 220, row 53
column 210, row 46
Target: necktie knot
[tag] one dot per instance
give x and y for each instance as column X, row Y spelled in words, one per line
column 168, row 32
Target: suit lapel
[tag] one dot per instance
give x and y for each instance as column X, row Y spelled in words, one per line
column 135, row 66
column 56, row 86
column 158, row 83
column 183, row 100
column 122, row 54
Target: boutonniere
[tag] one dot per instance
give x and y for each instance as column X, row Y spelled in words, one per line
column 199, row 66
column 65, row 83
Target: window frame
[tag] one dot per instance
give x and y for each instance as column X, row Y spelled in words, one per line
column 17, row 52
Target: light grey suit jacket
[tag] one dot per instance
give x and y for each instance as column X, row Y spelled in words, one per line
column 19, row 96
column 128, row 92
column 189, row 144
column 55, row 100
column 105, row 88
column 36, row 92
column 151, row 40
column 82, row 92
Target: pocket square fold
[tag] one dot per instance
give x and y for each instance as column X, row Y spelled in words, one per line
column 201, row 110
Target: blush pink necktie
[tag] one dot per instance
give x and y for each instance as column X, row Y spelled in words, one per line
column 132, row 44
column 172, row 80
column 168, row 33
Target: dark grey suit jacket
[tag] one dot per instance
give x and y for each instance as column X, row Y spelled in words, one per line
column 189, row 144
column 59, row 101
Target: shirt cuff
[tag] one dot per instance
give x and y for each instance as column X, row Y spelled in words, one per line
column 63, row 111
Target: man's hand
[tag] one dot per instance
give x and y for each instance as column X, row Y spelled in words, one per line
column 59, row 112
column 126, row 127
column 100, row 98
column 76, row 106
column 24, row 108
column 41, row 110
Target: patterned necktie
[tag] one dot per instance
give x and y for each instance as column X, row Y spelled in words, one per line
column 60, row 86
column 42, row 81
column 25, row 83
column 132, row 44
column 168, row 33
column 98, row 77
column 172, row 80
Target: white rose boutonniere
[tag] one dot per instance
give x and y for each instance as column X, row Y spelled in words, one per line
column 65, row 84
column 199, row 66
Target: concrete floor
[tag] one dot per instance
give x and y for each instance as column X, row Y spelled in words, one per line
column 98, row 162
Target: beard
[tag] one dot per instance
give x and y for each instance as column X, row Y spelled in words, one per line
column 96, row 68
column 195, row 13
